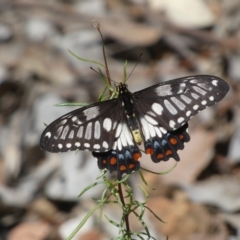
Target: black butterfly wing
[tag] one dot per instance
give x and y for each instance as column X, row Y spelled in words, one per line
column 171, row 104
column 95, row 128
column 164, row 109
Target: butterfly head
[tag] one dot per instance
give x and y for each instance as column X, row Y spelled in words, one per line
column 122, row 88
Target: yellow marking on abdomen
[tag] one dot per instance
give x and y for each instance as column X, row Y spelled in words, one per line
column 137, row 136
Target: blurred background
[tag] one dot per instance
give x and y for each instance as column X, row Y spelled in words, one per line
column 200, row 198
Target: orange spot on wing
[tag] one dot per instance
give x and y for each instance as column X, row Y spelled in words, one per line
column 160, row 155
column 131, row 166
column 136, row 156
column 149, row 151
column 113, row 161
column 104, row 161
column 168, row 152
column 181, row 137
column 173, row 141
column 122, row 168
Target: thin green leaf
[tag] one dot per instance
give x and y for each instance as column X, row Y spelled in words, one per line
column 142, row 207
column 90, row 186
column 86, row 60
column 161, row 173
column 80, row 225
column 101, row 96
column 144, row 181
column 144, row 191
column 71, row 104
column 143, row 224
column 155, row 215
column 111, row 221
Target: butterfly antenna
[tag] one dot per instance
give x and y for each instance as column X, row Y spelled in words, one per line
column 135, row 66
column 102, row 75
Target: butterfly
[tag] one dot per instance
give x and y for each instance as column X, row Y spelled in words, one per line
column 156, row 117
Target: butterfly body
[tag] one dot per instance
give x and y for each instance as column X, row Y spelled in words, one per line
column 126, row 99
column 156, row 116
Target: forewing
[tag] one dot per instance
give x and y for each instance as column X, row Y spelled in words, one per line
column 171, row 104
column 94, row 128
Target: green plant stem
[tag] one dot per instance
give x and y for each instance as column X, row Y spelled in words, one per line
column 122, row 200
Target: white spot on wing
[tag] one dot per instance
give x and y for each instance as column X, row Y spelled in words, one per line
column 63, row 121
column 107, row 124
column 119, row 144
column 118, row 131
column 157, row 108
column 163, row 130
column 181, row 88
column 71, row 135
column 199, row 90
column 215, row 82
column 157, row 130
column 195, row 107
column 97, row 130
column 60, row 146
column 204, row 102
column 205, row 86
column 170, row 107
column 91, row 113
column 151, row 120
column 188, row 113
column 164, row 90
column 74, row 118
column 77, row 144
column 58, row 132
column 65, row 132
column 150, row 113
column 80, row 132
column 88, row 133
column 181, row 119
column 178, row 103
column 151, row 130
column 194, row 95
column 123, row 139
column 96, row 146
column 48, row 134
column 186, row 99
column 145, row 128
column 211, row 98
column 105, row 144
column 194, row 81
column 68, row 145
column 127, row 134
column 172, row 124
column 87, row 145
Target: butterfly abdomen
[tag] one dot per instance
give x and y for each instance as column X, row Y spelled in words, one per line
column 127, row 103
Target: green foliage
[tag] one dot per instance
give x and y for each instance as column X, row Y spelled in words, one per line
column 111, row 196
